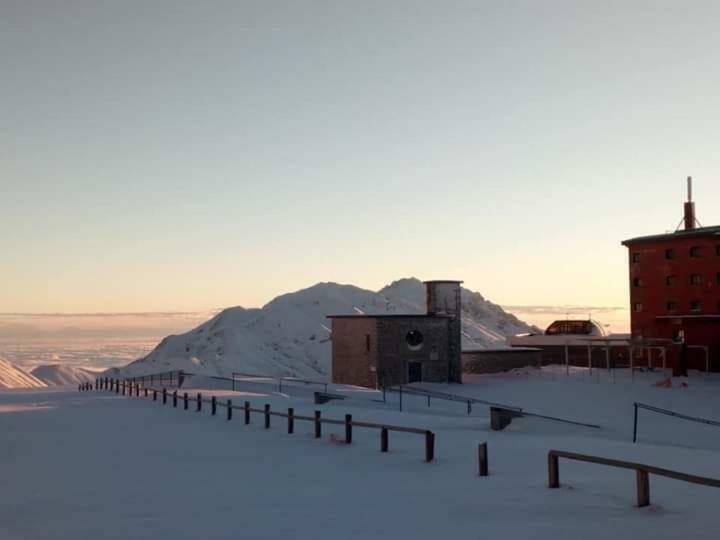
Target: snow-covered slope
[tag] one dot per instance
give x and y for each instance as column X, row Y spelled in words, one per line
column 60, row 375
column 290, row 334
column 14, row 377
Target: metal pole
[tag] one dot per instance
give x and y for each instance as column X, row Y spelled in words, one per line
column 635, row 423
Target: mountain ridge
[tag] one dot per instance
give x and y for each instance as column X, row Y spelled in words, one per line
column 290, row 334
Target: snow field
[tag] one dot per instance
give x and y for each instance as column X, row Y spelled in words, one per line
column 98, row 465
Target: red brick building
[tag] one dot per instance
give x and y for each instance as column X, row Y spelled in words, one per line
column 675, row 293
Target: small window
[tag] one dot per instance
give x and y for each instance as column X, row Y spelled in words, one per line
column 367, row 342
column 670, row 281
column 636, row 257
column 696, row 306
column 672, row 306
column 695, row 251
column 414, row 340
column 637, row 307
column 717, row 250
column 637, row 282
column 696, row 279
column 669, row 254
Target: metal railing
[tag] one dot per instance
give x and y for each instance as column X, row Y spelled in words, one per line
column 667, row 412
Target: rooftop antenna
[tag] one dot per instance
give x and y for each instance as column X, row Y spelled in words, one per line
column 689, row 218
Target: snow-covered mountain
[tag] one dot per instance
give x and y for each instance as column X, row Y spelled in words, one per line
column 60, row 375
column 290, row 335
column 12, row 376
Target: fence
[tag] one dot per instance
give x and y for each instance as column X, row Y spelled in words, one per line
column 642, row 472
column 135, row 388
column 430, row 394
column 236, row 375
column 667, row 412
column 166, row 378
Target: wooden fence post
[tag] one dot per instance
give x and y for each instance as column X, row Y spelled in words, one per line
column 384, row 439
column 185, row 401
column 154, row 395
column 199, row 402
column 146, row 392
column 553, row 471
column 117, row 386
column 483, row 459
column 643, row 488
column 267, row 416
column 318, row 425
column 348, row 429
column 213, row 405
column 229, row 409
column 175, row 398
column 123, row 388
column 164, row 396
column 247, row 412
column 137, row 389
column 291, row 420
column 429, row 446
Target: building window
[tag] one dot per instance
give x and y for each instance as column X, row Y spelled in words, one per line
column 637, row 307
column 636, row 257
column 671, row 306
column 414, row 340
column 637, row 282
column 669, row 254
column 367, row 342
column 696, row 279
column 695, row 251
column 717, row 250
column 696, row 306
column 670, row 281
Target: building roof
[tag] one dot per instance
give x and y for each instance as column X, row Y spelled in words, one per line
column 393, row 316
column 453, row 281
column 677, row 235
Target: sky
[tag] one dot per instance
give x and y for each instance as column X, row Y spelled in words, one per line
column 183, row 156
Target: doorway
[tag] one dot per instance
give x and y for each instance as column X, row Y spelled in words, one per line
column 414, row 372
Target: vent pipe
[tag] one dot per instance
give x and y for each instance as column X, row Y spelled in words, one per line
column 689, row 207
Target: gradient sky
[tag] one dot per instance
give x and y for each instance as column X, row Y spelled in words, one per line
column 174, row 155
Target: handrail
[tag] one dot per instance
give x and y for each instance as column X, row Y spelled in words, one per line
column 642, row 471
column 637, row 405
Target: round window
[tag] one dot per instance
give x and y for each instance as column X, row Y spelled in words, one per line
column 414, row 340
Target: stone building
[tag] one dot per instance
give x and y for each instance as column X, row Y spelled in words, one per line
column 385, row 350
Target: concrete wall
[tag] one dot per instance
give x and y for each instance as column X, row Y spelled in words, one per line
column 497, row 361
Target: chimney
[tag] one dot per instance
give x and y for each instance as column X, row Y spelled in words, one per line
column 689, row 207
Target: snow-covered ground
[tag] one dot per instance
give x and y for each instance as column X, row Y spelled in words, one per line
column 99, row 465
column 12, row 376
column 62, row 375
column 290, row 335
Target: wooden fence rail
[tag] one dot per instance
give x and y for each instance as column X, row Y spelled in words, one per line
column 642, row 473
column 316, row 419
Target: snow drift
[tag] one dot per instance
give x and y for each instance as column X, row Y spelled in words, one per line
column 290, row 335
column 61, row 375
column 12, row 376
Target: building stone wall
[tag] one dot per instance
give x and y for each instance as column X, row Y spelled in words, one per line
column 394, row 353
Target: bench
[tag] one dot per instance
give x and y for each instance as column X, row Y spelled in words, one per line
column 324, row 397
